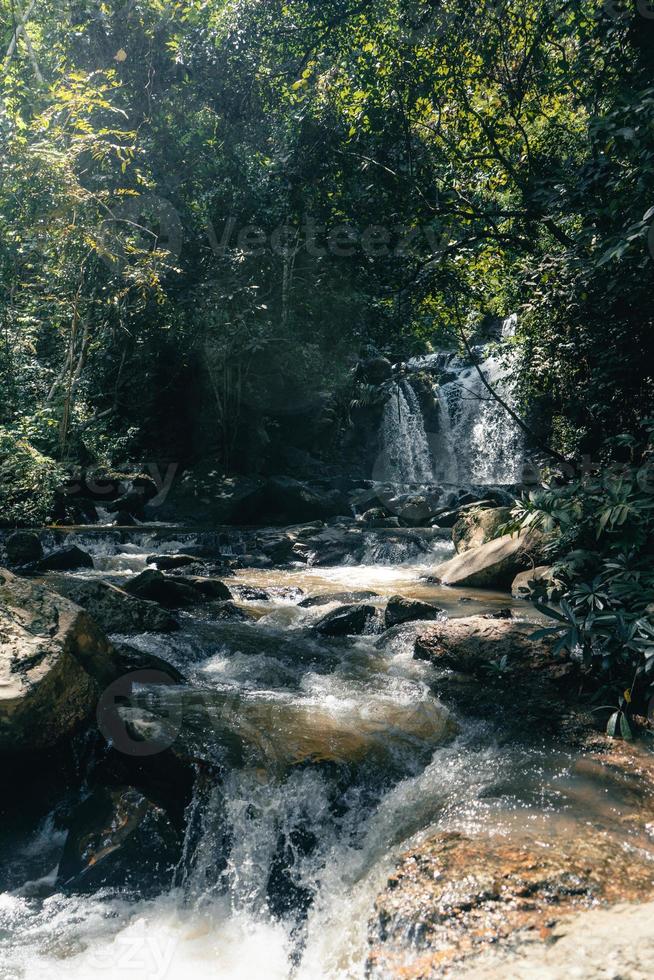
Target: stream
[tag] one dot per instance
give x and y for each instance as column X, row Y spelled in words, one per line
column 334, row 754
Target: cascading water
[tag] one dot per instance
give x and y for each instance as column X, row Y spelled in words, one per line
column 405, row 457
column 477, row 440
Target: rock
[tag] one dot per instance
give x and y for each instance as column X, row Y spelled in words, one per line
column 378, row 517
column 476, row 526
column 346, row 621
column 456, row 895
column 209, row 588
column 54, row 662
column 400, row 610
column 230, row 611
column 469, row 643
column 23, row 547
column 249, row 594
column 132, row 659
column 534, row 582
column 503, row 613
column 65, row 559
column 169, row 592
column 284, row 501
column 483, row 662
column 252, row 561
column 167, row 562
column 491, row 565
column 113, row 609
column 119, row 838
column 324, row 598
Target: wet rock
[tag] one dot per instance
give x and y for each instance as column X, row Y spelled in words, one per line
column 208, row 588
column 254, row 561
column 491, row 668
column 54, row 662
column 23, row 547
column 157, row 587
column 113, row 609
column 65, row 559
column 250, row 594
column 230, row 611
column 491, row 565
column 167, row 562
column 532, row 583
column 503, row 613
column 119, row 838
column 457, row 895
column 346, row 621
column 131, row 659
column 375, row 517
column 477, row 526
column 324, row 598
column 400, row 610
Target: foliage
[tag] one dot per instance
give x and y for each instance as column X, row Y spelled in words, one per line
column 207, row 210
column 28, row 481
column 603, row 563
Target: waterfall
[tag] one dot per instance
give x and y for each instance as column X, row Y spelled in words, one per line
column 478, row 441
column 405, row 456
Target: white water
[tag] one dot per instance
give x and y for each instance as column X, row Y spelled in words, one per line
column 346, row 754
column 405, row 457
column 478, row 442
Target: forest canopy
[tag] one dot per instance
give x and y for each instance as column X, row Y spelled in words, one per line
column 210, row 209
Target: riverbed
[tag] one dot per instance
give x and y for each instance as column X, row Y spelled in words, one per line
column 335, row 755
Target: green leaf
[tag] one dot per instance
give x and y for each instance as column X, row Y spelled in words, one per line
column 612, row 724
column 625, row 728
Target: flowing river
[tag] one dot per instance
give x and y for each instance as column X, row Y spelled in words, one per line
column 333, row 754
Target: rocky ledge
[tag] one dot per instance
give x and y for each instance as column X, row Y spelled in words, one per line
column 54, row 661
column 456, row 896
column 496, row 899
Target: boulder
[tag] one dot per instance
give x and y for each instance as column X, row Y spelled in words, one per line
column 157, row 587
column 119, row 838
column 491, row 565
column 468, row 644
column 283, row 501
column 349, row 597
column 345, row 621
column 113, row 609
column 400, row 610
column 532, row 583
column 131, row 659
column 167, row 562
column 54, row 662
column 23, row 547
column 457, row 896
column 65, row 559
column 477, row 526
column 230, row 611
column 208, row 588
column 491, row 668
